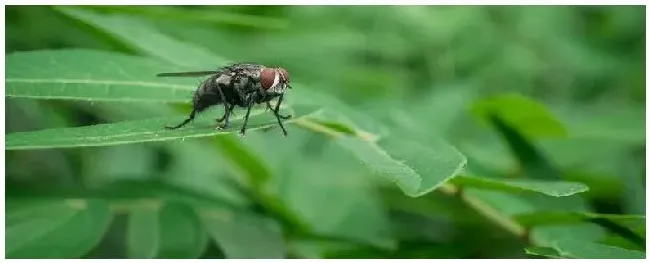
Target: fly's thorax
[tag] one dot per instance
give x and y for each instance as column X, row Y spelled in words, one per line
column 223, row 79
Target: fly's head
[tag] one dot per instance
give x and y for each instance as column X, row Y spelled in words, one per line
column 274, row 80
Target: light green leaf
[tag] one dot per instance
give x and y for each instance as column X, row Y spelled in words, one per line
column 123, row 190
column 170, row 231
column 543, row 251
column 589, row 250
column 417, row 168
column 212, row 15
column 606, row 120
column 143, row 236
column 630, row 227
column 130, row 30
column 54, row 228
column 243, row 235
column 93, row 76
column 551, row 188
column 136, row 131
column 553, row 218
column 529, row 117
column 337, row 201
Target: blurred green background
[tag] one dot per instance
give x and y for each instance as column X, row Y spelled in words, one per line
column 418, row 72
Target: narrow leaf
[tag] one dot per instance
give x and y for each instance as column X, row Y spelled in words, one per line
column 551, row 188
column 589, row 250
column 622, row 225
column 556, row 218
column 135, row 131
column 544, row 251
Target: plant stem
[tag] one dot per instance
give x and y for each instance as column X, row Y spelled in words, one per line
column 486, row 210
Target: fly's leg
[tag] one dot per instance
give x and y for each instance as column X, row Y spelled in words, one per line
column 226, row 116
column 277, row 109
column 186, row 121
column 278, row 117
column 251, row 100
column 225, row 112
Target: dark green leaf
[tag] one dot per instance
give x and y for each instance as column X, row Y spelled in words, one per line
column 532, row 162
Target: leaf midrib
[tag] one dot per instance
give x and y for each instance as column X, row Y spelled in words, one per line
column 100, row 82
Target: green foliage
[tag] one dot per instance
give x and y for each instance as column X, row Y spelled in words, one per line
column 410, row 133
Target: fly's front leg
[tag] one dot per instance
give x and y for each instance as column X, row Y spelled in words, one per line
column 250, row 101
column 278, row 117
column 277, row 109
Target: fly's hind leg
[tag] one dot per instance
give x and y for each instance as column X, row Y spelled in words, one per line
column 186, row 121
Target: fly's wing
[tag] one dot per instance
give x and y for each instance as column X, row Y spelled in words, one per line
column 187, row 74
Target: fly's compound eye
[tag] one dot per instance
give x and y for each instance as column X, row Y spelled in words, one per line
column 269, row 78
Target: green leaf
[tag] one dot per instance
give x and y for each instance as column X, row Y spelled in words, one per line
column 589, row 250
column 555, row 218
column 544, row 251
column 337, row 201
column 93, row 76
column 130, row 31
column 417, row 168
column 119, row 191
column 244, row 161
column 170, row 231
column 211, row 15
column 533, row 163
column 136, row 131
column 551, row 188
column 529, row 117
column 143, row 236
column 606, row 120
column 244, row 235
column 54, row 228
column 622, row 225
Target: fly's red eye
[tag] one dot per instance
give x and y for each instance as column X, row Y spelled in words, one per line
column 285, row 74
column 267, row 78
